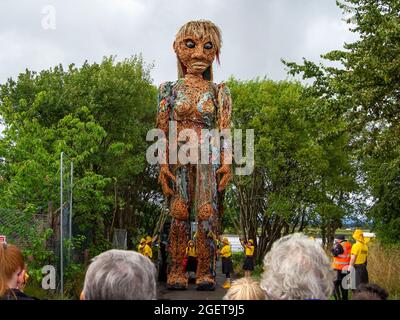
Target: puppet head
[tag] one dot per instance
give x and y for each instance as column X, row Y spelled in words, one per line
column 196, row 45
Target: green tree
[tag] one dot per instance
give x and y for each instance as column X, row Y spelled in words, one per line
column 98, row 115
column 302, row 167
column 365, row 91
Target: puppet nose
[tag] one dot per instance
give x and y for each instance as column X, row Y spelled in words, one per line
column 198, row 53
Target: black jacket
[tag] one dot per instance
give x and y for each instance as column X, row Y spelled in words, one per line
column 15, row 294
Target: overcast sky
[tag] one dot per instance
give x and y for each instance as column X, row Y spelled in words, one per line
column 256, row 33
column 38, row 34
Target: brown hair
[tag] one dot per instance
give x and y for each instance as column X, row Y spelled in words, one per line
column 11, row 259
column 245, row 289
column 370, row 291
column 201, row 29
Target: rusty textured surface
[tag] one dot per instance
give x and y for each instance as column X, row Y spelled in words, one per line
column 195, row 102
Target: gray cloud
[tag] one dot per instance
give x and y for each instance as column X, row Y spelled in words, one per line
column 256, row 33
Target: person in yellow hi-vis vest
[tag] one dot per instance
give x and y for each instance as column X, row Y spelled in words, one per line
column 358, row 261
column 140, row 247
column 227, row 266
column 248, row 265
column 191, row 258
column 148, row 251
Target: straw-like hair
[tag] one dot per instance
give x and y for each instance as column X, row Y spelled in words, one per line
column 245, row 289
column 201, row 29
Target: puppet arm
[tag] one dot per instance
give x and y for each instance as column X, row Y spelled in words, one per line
column 163, row 117
column 224, row 121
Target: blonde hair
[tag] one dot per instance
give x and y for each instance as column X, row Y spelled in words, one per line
column 245, row 289
column 201, row 29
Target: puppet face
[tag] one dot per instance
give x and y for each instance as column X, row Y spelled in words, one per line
column 195, row 54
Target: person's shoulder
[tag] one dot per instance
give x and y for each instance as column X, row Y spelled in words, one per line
column 23, row 296
column 15, row 294
column 348, row 244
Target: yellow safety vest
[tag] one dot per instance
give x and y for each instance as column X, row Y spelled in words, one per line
column 360, row 250
column 249, row 251
column 226, row 251
column 191, row 251
column 140, row 248
column 148, row 252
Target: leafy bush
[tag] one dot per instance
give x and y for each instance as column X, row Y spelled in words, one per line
column 237, row 260
column 38, row 255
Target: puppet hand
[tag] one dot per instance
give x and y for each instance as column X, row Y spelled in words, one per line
column 165, row 176
column 225, row 170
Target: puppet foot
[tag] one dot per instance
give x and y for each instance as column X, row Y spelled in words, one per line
column 177, row 282
column 205, row 283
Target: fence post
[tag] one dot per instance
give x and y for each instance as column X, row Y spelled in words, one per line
column 61, row 227
column 50, row 214
column 70, row 209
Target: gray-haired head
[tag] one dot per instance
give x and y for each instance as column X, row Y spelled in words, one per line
column 297, row 268
column 120, row 275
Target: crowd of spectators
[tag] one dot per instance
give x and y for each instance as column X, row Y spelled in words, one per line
column 296, row 268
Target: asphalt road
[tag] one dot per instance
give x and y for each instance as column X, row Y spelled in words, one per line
column 191, row 293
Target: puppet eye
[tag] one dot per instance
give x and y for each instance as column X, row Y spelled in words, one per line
column 208, row 45
column 190, row 44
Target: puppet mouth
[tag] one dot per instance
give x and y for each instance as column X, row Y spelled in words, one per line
column 199, row 65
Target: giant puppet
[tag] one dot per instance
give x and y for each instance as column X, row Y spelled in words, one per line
column 195, row 190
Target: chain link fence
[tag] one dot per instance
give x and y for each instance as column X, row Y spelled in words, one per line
column 21, row 227
column 38, row 235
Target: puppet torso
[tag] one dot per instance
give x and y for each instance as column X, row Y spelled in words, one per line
column 194, row 105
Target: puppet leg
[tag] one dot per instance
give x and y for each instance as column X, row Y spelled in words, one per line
column 205, row 275
column 178, row 239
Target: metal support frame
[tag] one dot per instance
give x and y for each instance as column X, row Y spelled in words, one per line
column 62, row 217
